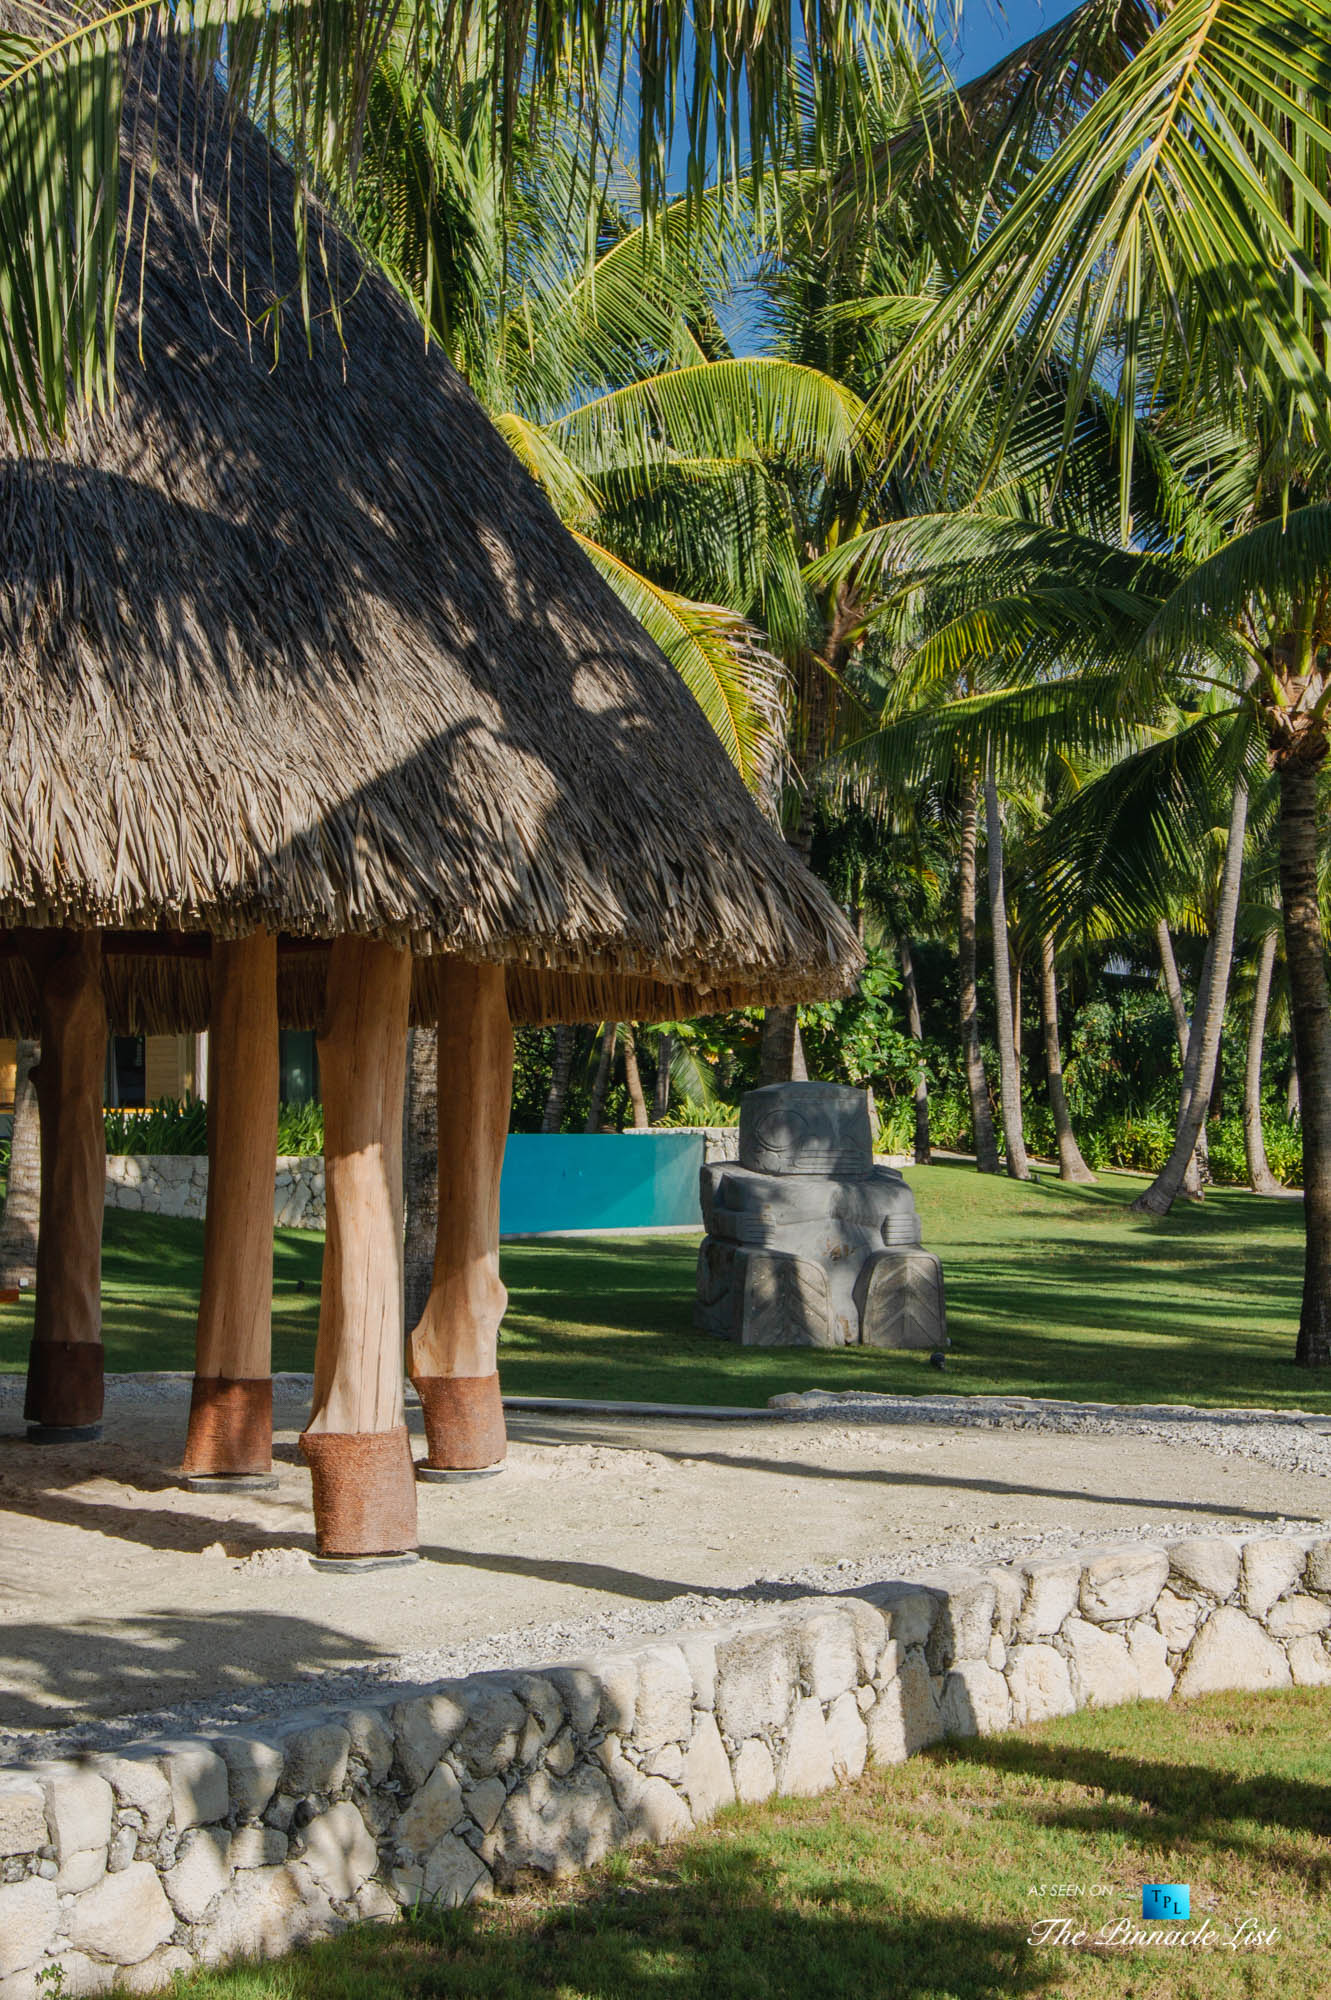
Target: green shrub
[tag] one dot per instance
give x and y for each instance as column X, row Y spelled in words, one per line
column 1284, row 1148
column 171, row 1127
column 1229, row 1155
column 300, row 1129
column 165, row 1127
column 1138, row 1140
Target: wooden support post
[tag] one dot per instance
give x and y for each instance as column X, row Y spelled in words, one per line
column 64, row 1389
column 231, row 1411
column 452, row 1354
column 356, row 1445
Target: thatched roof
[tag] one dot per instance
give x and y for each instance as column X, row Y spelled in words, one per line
column 302, row 645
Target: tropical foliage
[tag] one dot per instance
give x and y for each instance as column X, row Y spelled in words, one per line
column 967, row 451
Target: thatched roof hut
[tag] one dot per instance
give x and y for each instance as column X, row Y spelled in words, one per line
column 302, row 645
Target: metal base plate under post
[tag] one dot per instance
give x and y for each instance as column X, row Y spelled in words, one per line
column 64, row 1433
column 439, row 1475
column 351, row 1565
column 230, row 1482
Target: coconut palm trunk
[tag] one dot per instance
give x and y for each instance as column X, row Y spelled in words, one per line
column 1009, row 1073
column 1199, row 1166
column 923, row 1143
column 1310, row 1005
column 1260, row 1178
column 420, row 1174
column 633, row 1078
column 18, row 1228
column 986, row 1146
column 556, row 1098
column 665, row 1049
column 1208, row 1017
column 601, row 1081
column 1071, row 1165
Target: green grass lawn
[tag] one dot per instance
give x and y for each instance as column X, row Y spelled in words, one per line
column 922, row 1882
column 1052, row 1290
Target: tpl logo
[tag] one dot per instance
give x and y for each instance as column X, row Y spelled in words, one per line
column 1164, row 1900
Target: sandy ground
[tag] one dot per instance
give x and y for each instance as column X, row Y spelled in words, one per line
column 120, row 1593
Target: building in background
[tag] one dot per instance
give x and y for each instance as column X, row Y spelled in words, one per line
column 144, row 1069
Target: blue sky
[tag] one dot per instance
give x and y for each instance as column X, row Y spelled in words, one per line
column 987, row 30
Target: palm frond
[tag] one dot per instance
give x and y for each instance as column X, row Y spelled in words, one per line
column 720, row 659
column 1260, row 581
column 1187, row 207
column 720, row 409
column 1121, row 844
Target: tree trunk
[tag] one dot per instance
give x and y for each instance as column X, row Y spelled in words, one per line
column 64, row 1390
column 356, row 1443
column 923, row 1143
column 23, row 1196
column 601, row 1081
column 1208, row 1020
column 665, row 1048
column 1016, row 1005
column 1173, row 987
column 1310, row 1006
column 453, row 1354
column 986, row 1146
column 1198, row 1167
column 1292, row 1094
column 552, row 1118
column 633, row 1078
column 1009, row 1076
column 781, row 1052
column 1071, row 1165
column 420, row 1171
column 1260, row 1177
column 231, row 1408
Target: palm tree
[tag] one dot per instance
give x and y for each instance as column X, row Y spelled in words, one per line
column 1071, row 1165
column 1161, row 195
column 1260, row 1177
column 596, row 345
column 308, row 74
column 1009, row 1071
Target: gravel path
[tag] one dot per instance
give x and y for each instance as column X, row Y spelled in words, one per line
column 604, row 1529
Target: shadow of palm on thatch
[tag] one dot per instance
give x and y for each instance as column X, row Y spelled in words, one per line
column 55, row 1676
column 535, row 795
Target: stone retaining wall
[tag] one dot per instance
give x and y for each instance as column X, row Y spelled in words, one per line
column 177, row 1184
column 136, row 1865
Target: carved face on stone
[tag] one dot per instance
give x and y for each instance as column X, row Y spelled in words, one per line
column 806, row 1128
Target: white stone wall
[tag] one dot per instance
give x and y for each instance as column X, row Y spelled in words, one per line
column 130, row 1867
column 177, row 1184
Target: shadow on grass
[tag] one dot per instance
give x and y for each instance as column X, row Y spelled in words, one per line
column 1181, row 1803
column 718, row 1925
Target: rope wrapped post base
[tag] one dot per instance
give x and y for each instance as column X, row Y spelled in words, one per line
column 364, row 1493
column 464, row 1424
column 229, row 1447
column 63, row 1399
